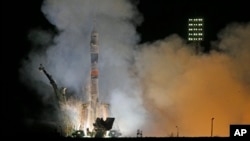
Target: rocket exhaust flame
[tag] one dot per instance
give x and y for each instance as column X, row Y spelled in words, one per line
column 169, row 85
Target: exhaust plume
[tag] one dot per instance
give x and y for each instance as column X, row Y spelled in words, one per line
column 67, row 58
column 185, row 90
column 158, row 87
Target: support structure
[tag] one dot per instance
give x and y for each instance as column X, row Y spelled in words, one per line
column 212, row 124
column 177, row 131
column 64, row 123
column 60, row 93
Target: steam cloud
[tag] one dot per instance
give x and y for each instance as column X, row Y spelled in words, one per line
column 186, row 90
column 171, row 87
column 68, row 58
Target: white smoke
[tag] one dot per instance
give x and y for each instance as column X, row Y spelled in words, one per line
column 68, row 58
column 72, row 113
column 175, row 86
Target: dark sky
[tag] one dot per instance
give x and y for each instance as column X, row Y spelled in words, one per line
column 161, row 19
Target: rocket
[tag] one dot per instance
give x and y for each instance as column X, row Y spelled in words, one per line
column 99, row 115
column 94, row 89
column 93, row 109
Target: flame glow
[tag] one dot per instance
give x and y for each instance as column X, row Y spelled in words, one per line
column 156, row 88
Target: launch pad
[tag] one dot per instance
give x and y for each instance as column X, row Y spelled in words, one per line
column 94, row 120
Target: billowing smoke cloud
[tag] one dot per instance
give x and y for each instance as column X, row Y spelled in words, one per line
column 183, row 91
column 67, row 59
column 171, row 88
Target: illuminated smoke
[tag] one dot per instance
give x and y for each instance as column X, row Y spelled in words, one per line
column 72, row 113
column 171, row 86
column 186, row 90
column 67, row 57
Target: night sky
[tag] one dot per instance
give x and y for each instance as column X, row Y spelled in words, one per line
column 161, row 18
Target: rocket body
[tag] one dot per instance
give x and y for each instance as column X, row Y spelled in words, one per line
column 94, row 72
column 93, row 108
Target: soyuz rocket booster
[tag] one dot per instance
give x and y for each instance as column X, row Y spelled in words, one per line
column 94, row 109
column 94, row 89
